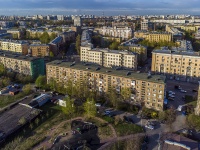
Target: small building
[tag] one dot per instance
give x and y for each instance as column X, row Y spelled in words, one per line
column 13, row 91
column 169, row 141
column 40, row 100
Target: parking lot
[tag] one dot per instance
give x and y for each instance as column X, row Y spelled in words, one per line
column 188, row 87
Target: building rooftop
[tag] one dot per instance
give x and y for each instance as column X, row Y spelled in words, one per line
column 14, row 41
column 177, row 142
column 86, row 38
column 18, row 56
column 125, row 52
column 171, row 52
column 116, row 72
column 39, row 45
column 56, row 40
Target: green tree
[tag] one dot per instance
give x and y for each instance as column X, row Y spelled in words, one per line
column 52, row 84
column 126, row 93
column 27, row 88
column 22, row 121
column 41, row 81
column 44, row 38
column 37, row 120
column 31, row 126
column 162, row 115
column 114, row 45
column 51, row 54
column 70, row 109
column 90, row 108
column 53, row 36
column 113, row 97
column 2, row 69
column 78, row 44
column 193, row 121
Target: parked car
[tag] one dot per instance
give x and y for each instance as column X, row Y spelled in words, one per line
column 98, row 104
column 172, row 96
column 183, row 91
column 151, row 123
column 171, row 92
column 149, row 127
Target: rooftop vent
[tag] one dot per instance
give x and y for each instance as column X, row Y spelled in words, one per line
column 108, row 71
column 87, row 68
column 71, row 65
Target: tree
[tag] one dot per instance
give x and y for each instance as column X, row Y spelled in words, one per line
column 41, row 81
column 2, row 69
column 27, row 88
column 193, row 121
column 22, row 121
column 114, row 45
column 31, row 126
column 52, row 84
column 126, row 93
column 37, row 121
column 69, row 110
column 162, row 115
column 44, row 38
column 113, row 97
column 90, row 108
column 51, row 54
column 78, row 44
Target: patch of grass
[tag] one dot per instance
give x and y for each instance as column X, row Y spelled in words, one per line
column 189, row 99
column 108, row 119
column 8, row 99
column 123, row 129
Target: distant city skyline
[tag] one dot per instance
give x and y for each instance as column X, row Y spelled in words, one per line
column 96, row 7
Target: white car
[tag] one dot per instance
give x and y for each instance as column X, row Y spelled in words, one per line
column 183, row 91
column 149, row 127
column 171, row 92
column 170, row 95
column 98, row 104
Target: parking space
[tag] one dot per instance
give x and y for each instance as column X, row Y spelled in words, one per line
column 178, row 100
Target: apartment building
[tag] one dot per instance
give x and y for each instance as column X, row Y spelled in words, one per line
column 136, row 48
column 179, row 65
column 144, row 24
column 32, row 66
column 56, row 44
column 197, row 109
column 146, row 90
column 14, row 46
column 77, row 21
column 39, row 50
column 154, row 36
column 109, row 58
column 17, row 34
column 125, row 33
column 68, row 36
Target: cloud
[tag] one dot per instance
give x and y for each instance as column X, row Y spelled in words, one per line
column 131, row 6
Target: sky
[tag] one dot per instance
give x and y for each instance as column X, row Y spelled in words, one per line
column 97, row 7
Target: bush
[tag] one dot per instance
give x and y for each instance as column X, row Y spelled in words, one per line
column 108, row 119
column 193, row 121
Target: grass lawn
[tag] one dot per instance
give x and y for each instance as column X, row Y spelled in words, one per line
column 123, row 129
column 190, row 100
column 104, row 130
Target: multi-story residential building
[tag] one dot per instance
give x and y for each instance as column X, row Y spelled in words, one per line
column 17, row 34
column 197, row 109
column 124, row 33
column 136, row 48
column 177, row 34
column 68, row 36
column 178, row 65
column 14, row 46
column 146, row 90
column 39, row 50
column 144, row 24
column 77, row 21
column 6, row 36
column 154, row 36
column 110, row 58
column 56, row 44
column 32, row 66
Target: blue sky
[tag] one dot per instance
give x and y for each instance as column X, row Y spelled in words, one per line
column 109, row 7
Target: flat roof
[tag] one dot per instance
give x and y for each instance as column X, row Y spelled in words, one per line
column 8, row 54
column 110, row 71
column 189, row 53
column 39, row 44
